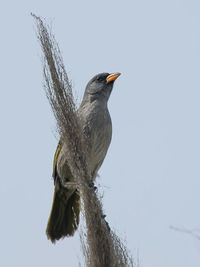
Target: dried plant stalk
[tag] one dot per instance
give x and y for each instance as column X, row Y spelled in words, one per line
column 102, row 246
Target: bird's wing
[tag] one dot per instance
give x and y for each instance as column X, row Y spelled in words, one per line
column 58, row 149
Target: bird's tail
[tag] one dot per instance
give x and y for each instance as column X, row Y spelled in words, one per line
column 64, row 217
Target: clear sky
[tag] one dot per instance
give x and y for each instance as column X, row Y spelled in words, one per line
column 151, row 175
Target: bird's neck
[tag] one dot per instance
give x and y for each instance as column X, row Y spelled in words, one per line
column 93, row 103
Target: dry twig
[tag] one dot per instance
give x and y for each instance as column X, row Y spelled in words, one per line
column 193, row 232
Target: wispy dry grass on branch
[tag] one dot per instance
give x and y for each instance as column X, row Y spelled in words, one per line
column 102, row 248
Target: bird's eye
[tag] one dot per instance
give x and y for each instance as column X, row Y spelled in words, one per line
column 100, row 79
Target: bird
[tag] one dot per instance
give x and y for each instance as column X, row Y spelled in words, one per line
column 95, row 121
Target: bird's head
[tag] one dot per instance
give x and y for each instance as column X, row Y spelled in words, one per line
column 100, row 87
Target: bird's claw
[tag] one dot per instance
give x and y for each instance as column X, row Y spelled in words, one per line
column 91, row 185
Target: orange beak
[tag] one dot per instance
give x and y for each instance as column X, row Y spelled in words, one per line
column 112, row 77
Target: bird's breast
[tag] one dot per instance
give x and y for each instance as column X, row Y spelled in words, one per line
column 97, row 127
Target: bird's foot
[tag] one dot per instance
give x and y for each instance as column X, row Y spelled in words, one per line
column 91, row 185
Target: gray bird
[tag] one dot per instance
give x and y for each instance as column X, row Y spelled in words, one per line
column 97, row 126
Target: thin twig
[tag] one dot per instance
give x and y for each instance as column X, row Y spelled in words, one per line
column 192, row 232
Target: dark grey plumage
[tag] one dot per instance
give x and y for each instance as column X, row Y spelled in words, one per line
column 96, row 124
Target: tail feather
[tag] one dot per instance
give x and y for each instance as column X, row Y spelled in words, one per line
column 64, row 217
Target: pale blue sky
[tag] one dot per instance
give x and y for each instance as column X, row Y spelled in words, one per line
column 151, row 175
